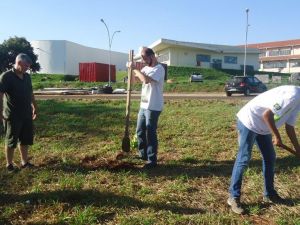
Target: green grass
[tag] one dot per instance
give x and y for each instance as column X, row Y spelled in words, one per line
column 78, row 182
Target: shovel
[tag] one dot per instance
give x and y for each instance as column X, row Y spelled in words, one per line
column 290, row 150
column 126, row 139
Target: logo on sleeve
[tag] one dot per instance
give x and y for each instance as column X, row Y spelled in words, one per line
column 277, row 107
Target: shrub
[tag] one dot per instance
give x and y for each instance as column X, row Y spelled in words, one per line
column 69, row 77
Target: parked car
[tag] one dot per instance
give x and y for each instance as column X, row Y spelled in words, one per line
column 295, row 78
column 195, row 77
column 244, row 85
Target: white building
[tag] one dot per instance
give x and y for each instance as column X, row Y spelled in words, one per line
column 178, row 53
column 279, row 56
column 63, row 57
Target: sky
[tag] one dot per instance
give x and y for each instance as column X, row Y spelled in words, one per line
column 143, row 22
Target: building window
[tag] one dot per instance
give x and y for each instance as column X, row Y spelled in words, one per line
column 203, row 58
column 163, row 58
column 284, row 51
column 217, row 60
column 262, row 53
column 274, row 64
column 230, row 59
column 278, row 52
column 216, row 64
column 273, row 52
column 295, row 63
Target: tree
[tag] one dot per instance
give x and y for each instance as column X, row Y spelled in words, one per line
column 3, row 59
column 9, row 50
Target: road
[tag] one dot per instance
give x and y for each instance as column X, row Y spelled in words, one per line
column 167, row 96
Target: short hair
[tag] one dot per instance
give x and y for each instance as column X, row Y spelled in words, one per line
column 148, row 51
column 24, row 58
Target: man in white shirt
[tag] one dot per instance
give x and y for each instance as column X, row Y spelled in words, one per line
column 257, row 121
column 152, row 78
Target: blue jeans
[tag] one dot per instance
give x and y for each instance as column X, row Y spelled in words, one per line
column 146, row 134
column 247, row 138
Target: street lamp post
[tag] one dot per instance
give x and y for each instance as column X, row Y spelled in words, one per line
column 245, row 56
column 110, row 39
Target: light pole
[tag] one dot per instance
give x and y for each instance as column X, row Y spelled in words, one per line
column 110, row 39
column 245, row 56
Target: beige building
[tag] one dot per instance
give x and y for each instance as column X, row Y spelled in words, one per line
column 279, row 56
column 178, row 53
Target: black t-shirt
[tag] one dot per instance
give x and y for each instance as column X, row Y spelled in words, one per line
column 17, row 95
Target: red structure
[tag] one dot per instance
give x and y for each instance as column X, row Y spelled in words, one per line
column 96, row 72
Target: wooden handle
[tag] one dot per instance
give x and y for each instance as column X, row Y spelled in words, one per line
column 290, row 150
column 128, row 94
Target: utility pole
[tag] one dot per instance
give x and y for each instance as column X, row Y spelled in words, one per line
column 245, row 56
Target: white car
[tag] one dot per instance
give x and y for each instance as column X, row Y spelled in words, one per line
column 196, row 78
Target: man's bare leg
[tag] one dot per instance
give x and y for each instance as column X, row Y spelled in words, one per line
column 24, row 153
column 9, row 154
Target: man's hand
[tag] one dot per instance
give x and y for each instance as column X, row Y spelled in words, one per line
column 277, row 141
column 34, row 114
column 2, row 117
column 268, row 117
column 298, row 151
column 131, row 65
column 290, row 130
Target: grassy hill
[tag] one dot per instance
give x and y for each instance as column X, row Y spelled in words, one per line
column 178, row 77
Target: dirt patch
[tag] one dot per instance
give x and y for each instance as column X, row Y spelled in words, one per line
column 94, row 162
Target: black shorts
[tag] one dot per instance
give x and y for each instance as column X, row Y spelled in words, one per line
column 18, row 130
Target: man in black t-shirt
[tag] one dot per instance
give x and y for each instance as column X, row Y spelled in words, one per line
column 17, row 110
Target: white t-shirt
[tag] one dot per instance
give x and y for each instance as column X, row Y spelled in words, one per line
column 284, row 101
column 152, row 93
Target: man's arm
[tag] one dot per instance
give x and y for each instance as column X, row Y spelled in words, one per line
column 142, row 77
column 290, row 130
column 268, row 117
column 1, row 106
column 34, row 106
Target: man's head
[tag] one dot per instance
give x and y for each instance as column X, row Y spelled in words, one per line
column 148, row 56
column 23, row 62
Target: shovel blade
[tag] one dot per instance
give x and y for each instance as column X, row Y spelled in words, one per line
column 126, row 144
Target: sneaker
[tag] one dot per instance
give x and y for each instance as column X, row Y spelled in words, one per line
column 235, row 205
column 149, row 166
column 27, row 165
column 11, row 168
column 276, row 199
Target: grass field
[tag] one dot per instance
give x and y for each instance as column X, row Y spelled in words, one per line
column 78, row 180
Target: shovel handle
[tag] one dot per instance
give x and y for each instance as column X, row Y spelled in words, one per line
column 128, row 100
column 285, row 147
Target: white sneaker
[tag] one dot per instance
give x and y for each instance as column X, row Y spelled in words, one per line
column 235, row 205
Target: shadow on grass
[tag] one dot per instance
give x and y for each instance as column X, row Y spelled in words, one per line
column 288, row 202
column 192, row 169
column 92, row 197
